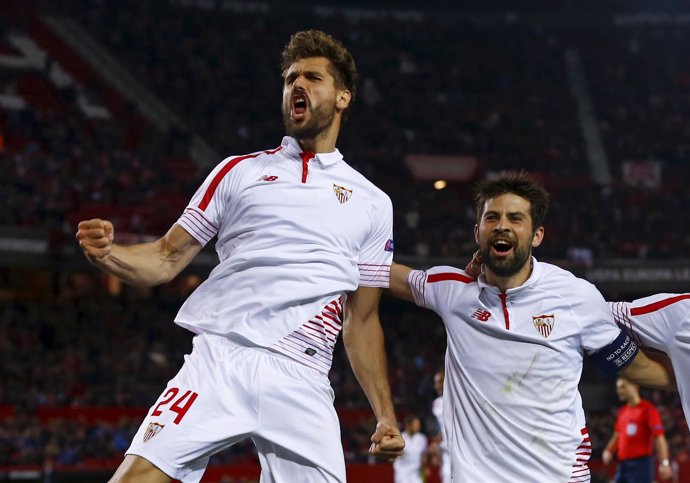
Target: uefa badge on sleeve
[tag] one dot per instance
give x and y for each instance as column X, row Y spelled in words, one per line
column 152, row 430
column 342, row 193
column 544, row 324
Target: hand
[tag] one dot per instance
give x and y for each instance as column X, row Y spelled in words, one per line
column 665, row 472
column 387, row 442
column 474, row 268
column 96, row 239
column 606, row 457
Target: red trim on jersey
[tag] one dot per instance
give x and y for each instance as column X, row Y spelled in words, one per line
column 306, row 156
column 442, row 277
column 506, row 316
column 208, row 195
column 658, row 305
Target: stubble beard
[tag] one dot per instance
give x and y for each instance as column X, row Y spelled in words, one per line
column 319, row 121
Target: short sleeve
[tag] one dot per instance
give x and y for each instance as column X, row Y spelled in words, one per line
column 376, row 254
column 656, row 319
column 202, row 216
column 654, row 421
column 598, row 326
column 438, row 287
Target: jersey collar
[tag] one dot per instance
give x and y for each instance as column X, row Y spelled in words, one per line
column 293, row 149
column 532, row 280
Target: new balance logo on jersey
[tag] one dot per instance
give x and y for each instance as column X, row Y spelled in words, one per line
column 267, row 177
column 152, row 430
column 481, row 314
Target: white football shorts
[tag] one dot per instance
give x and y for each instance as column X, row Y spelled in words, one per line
column 226, row 392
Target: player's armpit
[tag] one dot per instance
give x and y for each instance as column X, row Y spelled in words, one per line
column 399, row 286
column 651, row 373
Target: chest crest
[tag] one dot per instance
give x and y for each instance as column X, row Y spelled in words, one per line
column 544, row 324
column 342, row 193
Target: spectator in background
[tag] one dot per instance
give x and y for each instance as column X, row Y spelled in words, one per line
column 441, row 445
column 637, row 425
column 409, row 467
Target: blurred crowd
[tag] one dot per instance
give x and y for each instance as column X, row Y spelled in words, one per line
column 494, row 88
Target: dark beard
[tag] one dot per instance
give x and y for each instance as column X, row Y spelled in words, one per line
column 505, row 267
column 320, row 120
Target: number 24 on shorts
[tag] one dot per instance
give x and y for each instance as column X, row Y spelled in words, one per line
column 180, row 406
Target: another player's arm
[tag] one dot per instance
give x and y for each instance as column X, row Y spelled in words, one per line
column 611, row 446
column 146, row 264
column 662, row 455
column 363, row 338
column 649, row 373
column 399, row 286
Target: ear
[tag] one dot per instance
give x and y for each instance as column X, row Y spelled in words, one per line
column 538, row 237
column 476, row 234
column 343, row 99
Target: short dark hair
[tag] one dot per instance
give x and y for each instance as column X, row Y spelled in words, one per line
column 409, row 418
column 517, row 183
column 315, row 43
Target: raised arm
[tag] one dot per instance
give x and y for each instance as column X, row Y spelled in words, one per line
column 363, row 338
column 147, row 264
column 399, row 286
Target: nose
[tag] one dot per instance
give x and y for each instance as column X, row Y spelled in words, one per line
column 501, row 224
column 300, row 82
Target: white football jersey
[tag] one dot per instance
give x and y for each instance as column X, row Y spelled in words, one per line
column 512, row 408
column 296, row 232
column 662, row 322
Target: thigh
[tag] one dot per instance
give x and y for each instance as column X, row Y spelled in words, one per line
column 280, row 465
column 296, row 412
column 206, row 407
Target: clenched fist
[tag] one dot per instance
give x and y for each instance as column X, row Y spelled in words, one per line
column 96, row 239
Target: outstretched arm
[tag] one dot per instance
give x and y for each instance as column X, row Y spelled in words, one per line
column 649, row 372
column 363, row 338
column 147, row 264
column 399, row 287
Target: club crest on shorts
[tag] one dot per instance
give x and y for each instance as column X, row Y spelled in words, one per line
column 544, row 324
column 342, row 193
column 152, row 430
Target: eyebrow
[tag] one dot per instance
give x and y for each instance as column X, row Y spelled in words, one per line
column 510, row 213
column 295, row 73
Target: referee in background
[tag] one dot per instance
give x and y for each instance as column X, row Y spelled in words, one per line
column 637, row 425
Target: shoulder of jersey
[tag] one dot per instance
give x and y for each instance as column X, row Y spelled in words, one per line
column 557, row 275
column 360, row 178
column 445, row 273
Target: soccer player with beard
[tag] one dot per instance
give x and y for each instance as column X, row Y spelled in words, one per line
column 305, row 248
column 516, row 339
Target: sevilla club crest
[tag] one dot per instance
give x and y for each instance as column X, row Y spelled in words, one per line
column 544, row 324
column 152, row 430
column 342, row 193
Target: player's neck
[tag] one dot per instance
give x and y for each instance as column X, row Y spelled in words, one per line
column 634, row 401
column 504, row 283
column 323, row 142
